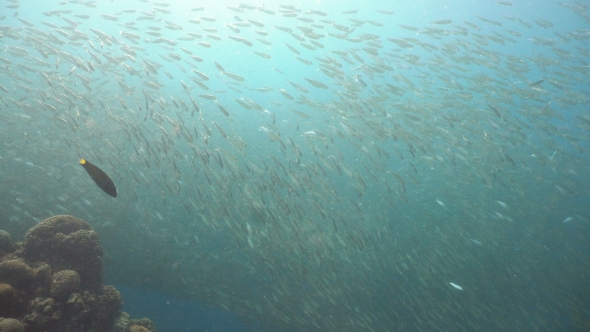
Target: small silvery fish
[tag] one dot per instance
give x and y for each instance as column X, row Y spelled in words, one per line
column 456, row 286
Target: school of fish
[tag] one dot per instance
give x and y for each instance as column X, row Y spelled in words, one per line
column 311, row 170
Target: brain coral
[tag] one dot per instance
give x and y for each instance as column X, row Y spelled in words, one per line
column 9, row 301
column 67, row 243
column 16, row 273
column 64, row 283
column 137, row 328
column 11, row 325
column 110, row 300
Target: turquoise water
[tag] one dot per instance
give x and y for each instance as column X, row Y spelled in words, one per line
column 339, row 166
column 171, row 313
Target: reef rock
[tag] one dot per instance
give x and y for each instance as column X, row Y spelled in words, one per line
column 53, row 282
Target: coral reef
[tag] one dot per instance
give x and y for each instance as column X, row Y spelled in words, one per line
column 11, row 325
column 138, row 328
column 125, row 324
column 16, row 273
column 52, row 282
column 64, row 283
column 10, row 303
column 52, row 241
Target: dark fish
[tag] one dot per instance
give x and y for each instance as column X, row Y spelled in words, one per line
column 100, row 178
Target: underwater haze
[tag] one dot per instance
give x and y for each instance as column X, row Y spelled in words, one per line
column 314, row 165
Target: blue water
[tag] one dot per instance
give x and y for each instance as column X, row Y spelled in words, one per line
column 355, row 213
column 169, row 313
